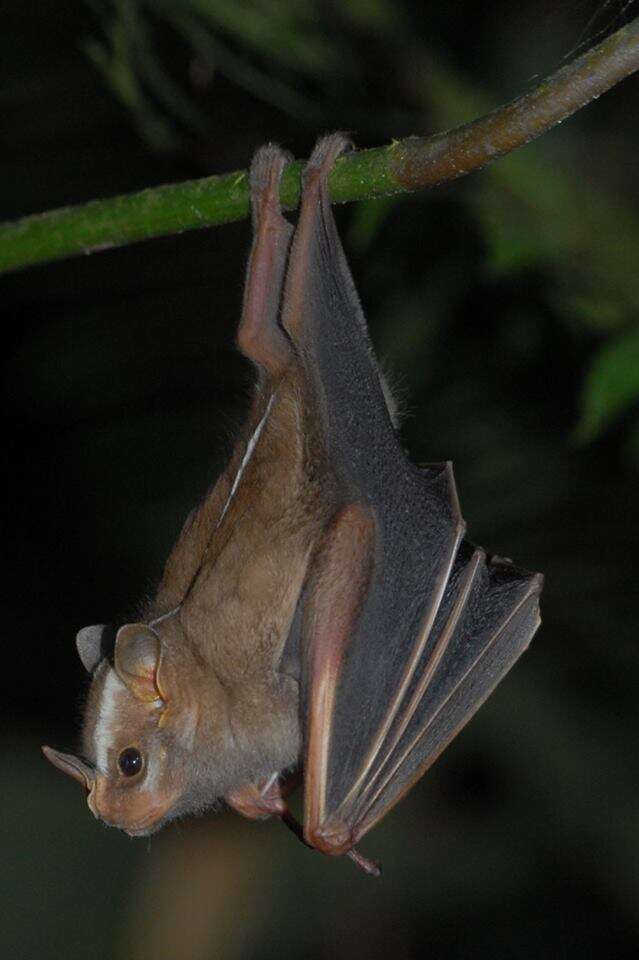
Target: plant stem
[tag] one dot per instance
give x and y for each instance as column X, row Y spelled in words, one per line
column 403, row 166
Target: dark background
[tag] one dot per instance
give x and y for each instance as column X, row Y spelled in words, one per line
column 504, row 308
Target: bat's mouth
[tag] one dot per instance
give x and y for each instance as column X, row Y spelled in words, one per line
column 143, row 831
column 147, row 826
column 144, row 827
column 138, row 816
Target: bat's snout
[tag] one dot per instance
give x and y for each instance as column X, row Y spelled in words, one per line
column 138, row 813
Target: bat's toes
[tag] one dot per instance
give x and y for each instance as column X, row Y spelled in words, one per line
column 266, row 169
column 320, row 163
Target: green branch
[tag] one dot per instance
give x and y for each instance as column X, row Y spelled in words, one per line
column 403, row 166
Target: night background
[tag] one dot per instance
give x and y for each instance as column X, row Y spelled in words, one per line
column 504, row 309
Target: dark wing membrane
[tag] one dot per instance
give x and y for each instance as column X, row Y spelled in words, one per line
column 358, row 668
column 387, row 678
column 402, row 695
column 416, row 544
column 490, row 623
column 323, row 317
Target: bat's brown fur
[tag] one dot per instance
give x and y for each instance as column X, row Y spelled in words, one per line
column 225, row 605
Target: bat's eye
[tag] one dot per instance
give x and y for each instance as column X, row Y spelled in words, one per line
column 130, row 762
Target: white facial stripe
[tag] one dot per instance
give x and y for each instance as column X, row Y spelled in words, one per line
column 250, row 447
column 103, row 734
column 151, row 775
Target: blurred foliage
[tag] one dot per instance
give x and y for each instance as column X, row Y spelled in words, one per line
column 286, row 54
column 612, row 384
column 504, row 308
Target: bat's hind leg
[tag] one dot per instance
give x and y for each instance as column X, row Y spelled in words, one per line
column 260, row 336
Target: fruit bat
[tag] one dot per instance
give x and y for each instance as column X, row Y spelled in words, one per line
column 321, row 611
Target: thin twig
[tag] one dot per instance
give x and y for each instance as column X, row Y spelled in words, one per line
column 403, row 166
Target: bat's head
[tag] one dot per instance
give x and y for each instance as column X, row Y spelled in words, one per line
column 139, row 732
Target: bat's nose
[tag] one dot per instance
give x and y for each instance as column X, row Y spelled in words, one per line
column 105, row 805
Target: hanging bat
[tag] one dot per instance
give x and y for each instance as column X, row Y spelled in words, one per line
column 321, row 610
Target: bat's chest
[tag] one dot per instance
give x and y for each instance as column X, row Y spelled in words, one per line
column 259, row 578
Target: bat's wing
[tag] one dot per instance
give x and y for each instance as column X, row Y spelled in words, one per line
column 404, row 628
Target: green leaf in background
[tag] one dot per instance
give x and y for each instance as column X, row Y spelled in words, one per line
column 536, row 214
column 611, row 386
column 366, row 222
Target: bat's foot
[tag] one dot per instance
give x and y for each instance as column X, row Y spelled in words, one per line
column 325, row 152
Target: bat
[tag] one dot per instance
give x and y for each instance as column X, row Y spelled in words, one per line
column 322, row 615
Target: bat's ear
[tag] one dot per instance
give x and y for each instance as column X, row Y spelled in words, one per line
column 137, row 660
column 75, row 767
column 92, row 644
